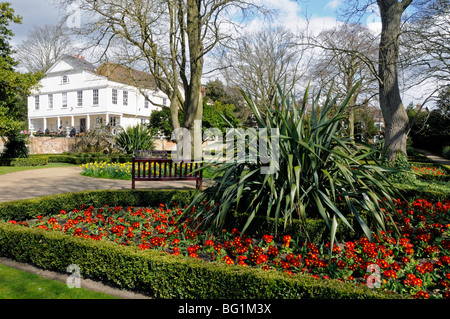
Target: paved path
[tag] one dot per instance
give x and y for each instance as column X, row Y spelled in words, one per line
column 434, row 157
column 49, row 181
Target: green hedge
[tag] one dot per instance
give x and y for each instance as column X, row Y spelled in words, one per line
column 162, row 275
column 49, row 205
column 29, row 161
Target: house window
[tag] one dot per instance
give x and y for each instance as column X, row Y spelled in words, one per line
column 146, row 102
column 114, row 96
column 65, row 79
column 50, row 101
column 165, row 101
column 80, row 98
column 95, row 97
column 125, row 97
column 113, row 121
column 64, row 100
column 36, row 102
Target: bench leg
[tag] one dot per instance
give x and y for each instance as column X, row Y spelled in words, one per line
column 133, row 184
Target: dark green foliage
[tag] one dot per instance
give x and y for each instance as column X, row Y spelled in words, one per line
column 430, row 130
column 162, row 275
column 53, row 204
column 16, row 146
column 30, row 161
column 320, row 173
column 446, row 152
column 135, row 138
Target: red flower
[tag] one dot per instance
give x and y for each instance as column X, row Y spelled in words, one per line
column 422, row 294
column 267, row 238
column 390, row 274
column 341, row 264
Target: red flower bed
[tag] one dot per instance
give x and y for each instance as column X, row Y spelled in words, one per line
column 414, row 264
column 429, row 170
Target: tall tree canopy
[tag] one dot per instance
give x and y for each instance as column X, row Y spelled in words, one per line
column 14, row 86
column 170, row 38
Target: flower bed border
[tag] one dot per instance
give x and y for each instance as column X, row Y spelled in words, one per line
column 162, row 275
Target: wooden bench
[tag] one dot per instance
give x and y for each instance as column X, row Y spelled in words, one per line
column 163, row 168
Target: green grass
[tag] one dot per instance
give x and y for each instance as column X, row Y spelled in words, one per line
column 13, row 169
column 422, row 185
column 18, row 284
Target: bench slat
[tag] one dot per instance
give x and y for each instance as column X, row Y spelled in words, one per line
column 181, row 171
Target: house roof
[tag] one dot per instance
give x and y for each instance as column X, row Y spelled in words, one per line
column 76, row 62
column 126, row 75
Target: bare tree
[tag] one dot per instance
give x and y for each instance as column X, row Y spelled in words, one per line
column 393, row 110
column 426, row 51
column 169, row 37
column 44, row 46
column 259, row 61
column 348, row 54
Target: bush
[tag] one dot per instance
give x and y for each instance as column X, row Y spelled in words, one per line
column 446, row 152
column 31, row 161
column 53, row 204
column 85, row 158
column 98, row 139
column 318, row 174
column 135, row 138
column 165, row 276
column 16, row 146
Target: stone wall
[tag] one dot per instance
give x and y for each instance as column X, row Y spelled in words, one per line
column 50, row 145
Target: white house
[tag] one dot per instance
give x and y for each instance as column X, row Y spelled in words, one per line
column 74, row 93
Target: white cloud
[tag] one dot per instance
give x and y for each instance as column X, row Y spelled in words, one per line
column 333, row 4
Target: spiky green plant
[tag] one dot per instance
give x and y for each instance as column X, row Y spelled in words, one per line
column 134, row 138
column 319, row 173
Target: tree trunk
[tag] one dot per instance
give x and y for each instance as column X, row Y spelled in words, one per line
column 194, row 102
column 394, row 113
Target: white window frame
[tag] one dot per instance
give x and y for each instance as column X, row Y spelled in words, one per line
column 36, row 102
column 50, row 101
column 125, row 98
column 114, row 96
column 65, row 79
column 80, row 98
column 95, row 97
column 64, row 100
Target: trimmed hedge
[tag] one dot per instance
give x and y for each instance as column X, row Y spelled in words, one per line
column 50, row 205
column 29, row 161
column 162, row 275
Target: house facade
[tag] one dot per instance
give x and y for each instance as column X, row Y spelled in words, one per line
column 76, row 94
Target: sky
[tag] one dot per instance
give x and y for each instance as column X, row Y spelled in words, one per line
column 321, row 14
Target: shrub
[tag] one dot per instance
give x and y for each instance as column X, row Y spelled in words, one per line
column 99, row 139
column 53, row 204
column 318, row 174
column 165, row 276
column 135, row 138
column 31, row 161
column 446, row 152
column 15, row 146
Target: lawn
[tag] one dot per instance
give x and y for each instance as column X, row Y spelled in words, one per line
column 18, row 284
